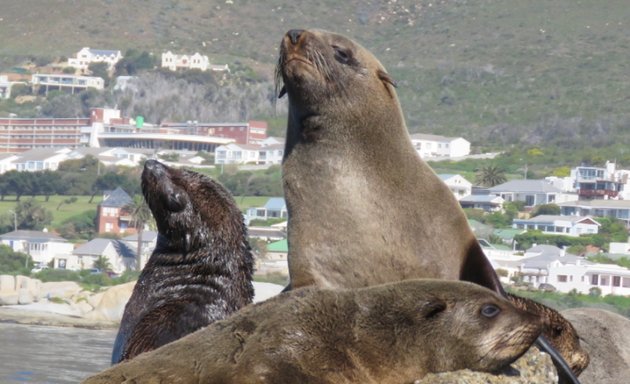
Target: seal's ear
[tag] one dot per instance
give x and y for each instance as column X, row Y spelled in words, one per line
column 432, row 308
column 386, row 79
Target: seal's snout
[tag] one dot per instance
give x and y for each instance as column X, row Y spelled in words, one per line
column 294, row 35
column 154, row 167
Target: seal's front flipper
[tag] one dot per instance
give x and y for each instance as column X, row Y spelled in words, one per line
column 477, row 269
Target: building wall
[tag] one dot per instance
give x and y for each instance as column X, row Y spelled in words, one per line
column 19, row 135
column 110, row 220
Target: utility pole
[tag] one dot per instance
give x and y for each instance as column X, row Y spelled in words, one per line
column 14, row 220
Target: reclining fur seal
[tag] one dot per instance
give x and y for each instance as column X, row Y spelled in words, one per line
column 386, row 334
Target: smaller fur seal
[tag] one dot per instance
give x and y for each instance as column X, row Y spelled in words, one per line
column 392, row 333
column 201, row 268
column 558, row 330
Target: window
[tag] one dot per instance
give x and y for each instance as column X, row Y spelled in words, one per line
column 604, row 280
column 626, row 282
column 616, row 281
column 594, row 279
column 562, row 278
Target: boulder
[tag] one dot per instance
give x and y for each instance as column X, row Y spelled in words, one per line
column 61, row 289
column 25, row 296
column 8, row 298
column 28, row 289
column 112, row 303
column 7, row 283
column 532, row 367
column 606, row 337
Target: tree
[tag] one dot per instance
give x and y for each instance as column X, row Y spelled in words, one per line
column 14, row 262
column 102, row 263
column 108, row 181
column 48, row 183
column 32, row 215
column 100, row 70
column 546, row 209
column 68, row 201
column 18, row 183
column 140, row 216
column 490, row 175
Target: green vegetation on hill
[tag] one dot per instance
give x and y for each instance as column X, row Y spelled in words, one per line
column 497, row 72
column 562, row 301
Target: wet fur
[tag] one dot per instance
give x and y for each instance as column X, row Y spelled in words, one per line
column 393, row 333
column 201, row 268
column 363, row 207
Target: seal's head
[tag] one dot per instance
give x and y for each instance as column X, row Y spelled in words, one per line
column 323, row 72
column 559, row 331
column 190, row 210
column 449, row 325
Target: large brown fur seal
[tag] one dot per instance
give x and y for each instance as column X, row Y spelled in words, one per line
column 201, row 268
column 393, row 333
column 363, row 207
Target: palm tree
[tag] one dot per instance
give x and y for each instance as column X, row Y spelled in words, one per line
column 140, row 216
column 490, row 175
column 102, row 263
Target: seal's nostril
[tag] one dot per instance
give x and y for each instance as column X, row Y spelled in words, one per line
column 295, row 34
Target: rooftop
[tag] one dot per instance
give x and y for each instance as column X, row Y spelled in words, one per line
column 117, row 199
column 535, row 186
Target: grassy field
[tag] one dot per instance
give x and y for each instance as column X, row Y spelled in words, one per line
column 59, row 215
column 82, row 205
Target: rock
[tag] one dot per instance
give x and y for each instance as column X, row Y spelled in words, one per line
column 28, row 289
column 112, row 303
column 533, row 367
column 263, row 291
column 7, row 283
column 8, row 298
column 83, row 307
column 606, row 337
column 62, row 289
column 25, row 296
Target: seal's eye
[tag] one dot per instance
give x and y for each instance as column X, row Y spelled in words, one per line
column 557, row 330
column 176, row 202
column 490, row 310
column 342, row 55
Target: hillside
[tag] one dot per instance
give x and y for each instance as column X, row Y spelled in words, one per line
column 502, row 72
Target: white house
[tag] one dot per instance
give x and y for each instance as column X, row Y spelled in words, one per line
column 546, row 264
column 7, row 162
column 40, row 159
column 6, row 85
column 573, row 226
column 237, row 154
column 430, row 146
column 249, row 153
column 275, row 208
column 271, row 154
column 194, row 61
column 149, row 241
column 488, row 203
column 532, row 192
column 87, row 56
column 43, row 247
column 619, row 209
column 119, row 255
column 457, row 184
column 71, row 82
